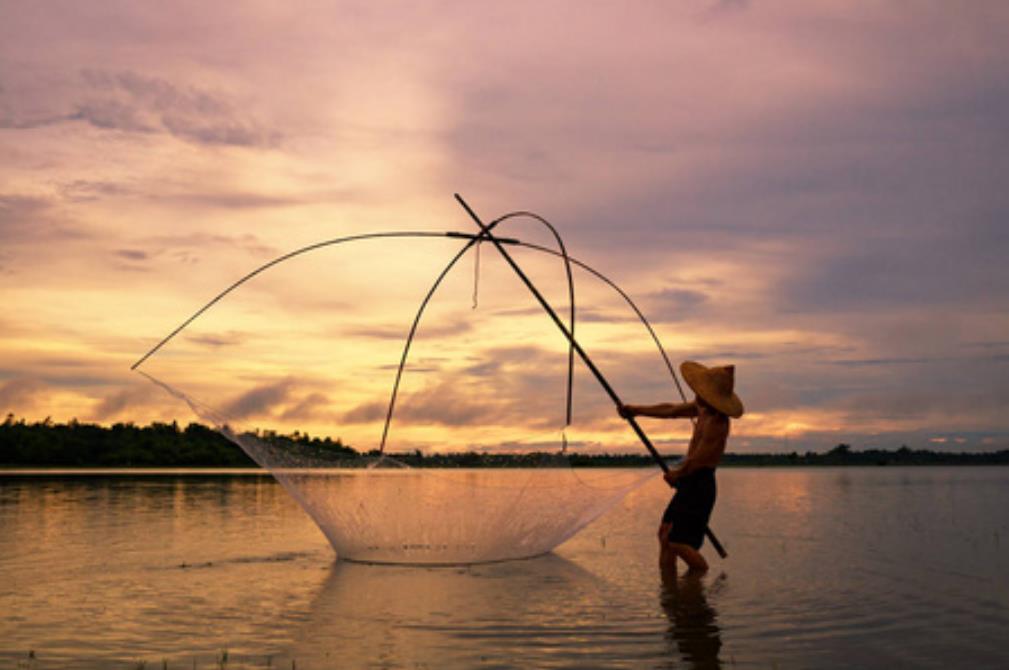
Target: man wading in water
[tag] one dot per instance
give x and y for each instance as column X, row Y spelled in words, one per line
column 686, row 518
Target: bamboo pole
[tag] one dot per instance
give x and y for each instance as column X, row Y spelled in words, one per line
column 581, row 353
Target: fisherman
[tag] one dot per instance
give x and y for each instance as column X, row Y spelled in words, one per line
column 685, row 520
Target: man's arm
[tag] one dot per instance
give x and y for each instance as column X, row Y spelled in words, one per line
column 661, row 411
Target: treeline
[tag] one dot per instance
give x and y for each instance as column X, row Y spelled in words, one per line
column 125, row 445
column 75, row 444
column 843, row 454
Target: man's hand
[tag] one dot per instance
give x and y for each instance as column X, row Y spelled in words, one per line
column 626, row 411
column 671, row 476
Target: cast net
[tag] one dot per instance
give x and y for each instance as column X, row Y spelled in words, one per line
column 297, row 365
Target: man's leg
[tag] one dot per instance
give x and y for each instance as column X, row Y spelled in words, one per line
column 690, row 556
column 667, row 557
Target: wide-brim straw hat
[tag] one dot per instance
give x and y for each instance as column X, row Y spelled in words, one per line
column 714, row 385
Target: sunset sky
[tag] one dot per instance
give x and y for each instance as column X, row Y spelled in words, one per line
column 817, row 192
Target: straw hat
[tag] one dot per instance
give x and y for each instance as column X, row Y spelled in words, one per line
column 714, row 385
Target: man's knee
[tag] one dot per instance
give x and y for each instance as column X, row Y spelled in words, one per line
column 691, row 556
column 682, row 549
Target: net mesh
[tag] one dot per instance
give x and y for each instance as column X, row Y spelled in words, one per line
column 309, row 347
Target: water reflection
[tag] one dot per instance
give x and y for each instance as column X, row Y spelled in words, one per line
column 92, row 576
column 449, row 617
column 693, row 633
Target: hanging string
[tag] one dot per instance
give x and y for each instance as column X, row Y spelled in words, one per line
column 474, row 240
column 476, row 276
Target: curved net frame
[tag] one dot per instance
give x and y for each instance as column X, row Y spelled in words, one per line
column 306, row 345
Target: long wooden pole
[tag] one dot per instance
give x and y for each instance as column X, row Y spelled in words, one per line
column 581, row 353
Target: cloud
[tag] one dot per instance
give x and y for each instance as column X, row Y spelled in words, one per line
column 445, row 404
column 592, row 315
column 125, row 402
column 247, row 242
column 55, row 356
column 33, row 218
column 365, row 413
column 521, row 386
column 260, row 401
column 87, row 190
column 132, row 254
column 517, row 386
column 885, row 362
column 313, row 406
column 988, row 344
column 18, row 396
column 137, row 103
column 723, row 6
column 673, row 304
column 19, row 212
column 194, row 196
column 496, row 359
column 218, row 340
column 914, row 272
column 13, row 122
column 131, row 102
column 450, row 328
column 228, row 200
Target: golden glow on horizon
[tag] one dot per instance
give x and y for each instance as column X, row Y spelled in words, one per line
column 733, row 174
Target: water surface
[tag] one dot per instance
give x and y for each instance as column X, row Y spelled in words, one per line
column 845, row 567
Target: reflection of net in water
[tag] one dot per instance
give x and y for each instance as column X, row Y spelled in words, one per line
column 374, row 508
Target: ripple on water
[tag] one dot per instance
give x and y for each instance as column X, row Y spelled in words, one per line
column 93, row 575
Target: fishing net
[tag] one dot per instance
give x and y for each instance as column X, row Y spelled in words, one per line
column 299, row 363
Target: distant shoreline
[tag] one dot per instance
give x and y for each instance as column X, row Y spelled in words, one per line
column 213, row 473
column 46, row 447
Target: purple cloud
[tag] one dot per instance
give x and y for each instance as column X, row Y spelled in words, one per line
column 263, row 400
column 131, row 102
column 18, row 396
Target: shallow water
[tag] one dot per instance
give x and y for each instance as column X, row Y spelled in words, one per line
column 847, row 567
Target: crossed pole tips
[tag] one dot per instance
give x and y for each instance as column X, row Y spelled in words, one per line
column 486, row 234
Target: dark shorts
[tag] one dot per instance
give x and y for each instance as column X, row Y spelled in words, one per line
column 690, row 508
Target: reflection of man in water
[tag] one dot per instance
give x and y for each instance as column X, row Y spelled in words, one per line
column 686, row 518
column 693, row 621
